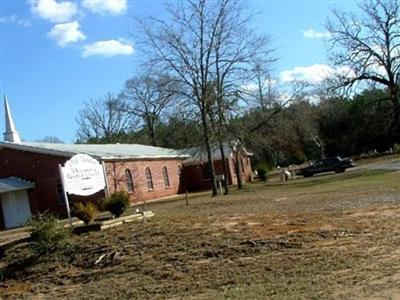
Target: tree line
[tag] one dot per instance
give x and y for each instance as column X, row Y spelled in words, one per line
column 207, row 81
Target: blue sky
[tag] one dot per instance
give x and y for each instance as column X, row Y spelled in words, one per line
column 55, row 55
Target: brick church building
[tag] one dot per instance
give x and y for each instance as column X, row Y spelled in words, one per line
column 30, row 181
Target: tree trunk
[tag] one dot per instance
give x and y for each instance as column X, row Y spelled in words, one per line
column 209, row 154
column 224, row 168
column 152, row 131
column 323, row 156
column 395, row 126
column 238, row 169
column 153, row 137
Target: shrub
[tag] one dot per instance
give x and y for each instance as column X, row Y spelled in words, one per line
column 47, row 234
column 85, row 211
column 117, row 203
column 262, row 171
column 396, row 148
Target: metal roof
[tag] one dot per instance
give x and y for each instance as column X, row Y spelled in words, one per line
column 199, row 154
column 101, row 151
column 11, row 184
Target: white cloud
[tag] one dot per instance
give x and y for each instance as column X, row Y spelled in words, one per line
column 313, row 34
column 108, row 48
column 113, row 7
column 312, row 74
column 66, row 33
column 253, row 87
column 13, row 19
column 54, row 11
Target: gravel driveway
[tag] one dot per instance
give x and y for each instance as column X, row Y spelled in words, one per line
column 387, row 165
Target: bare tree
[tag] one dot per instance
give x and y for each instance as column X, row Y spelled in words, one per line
column 105, row 120
column 261, row 89
column 369, row 46
column 236, row 45
column 148, row 96
column 298, row 90
column 51, row 139
column 207, row 46
column 184, row 46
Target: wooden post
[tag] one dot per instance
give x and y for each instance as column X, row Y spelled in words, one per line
column 106, row 189
column 186, row 197
column 144, row 206
column 220, row 187
column 219, row 179
column 65, row 195
column 144, row 211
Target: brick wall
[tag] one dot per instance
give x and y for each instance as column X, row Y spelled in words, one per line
column 194, row 178
column 117, row 179
column 42, row 169
column 247, row 173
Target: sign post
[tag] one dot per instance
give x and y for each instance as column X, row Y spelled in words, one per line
column 105, row 179
column 82, row 175
column 220, row 179
column 65, row 195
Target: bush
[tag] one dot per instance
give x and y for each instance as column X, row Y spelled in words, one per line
column 262, row 171
column 117, row 203
column 85, row 212
column 47, row 234
column 396, row 148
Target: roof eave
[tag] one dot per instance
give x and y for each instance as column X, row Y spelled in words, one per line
column 142, row 157
column 36, row 150
column 27, row 185
column 68, row 154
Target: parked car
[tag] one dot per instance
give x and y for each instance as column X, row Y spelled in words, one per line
column 333, row 164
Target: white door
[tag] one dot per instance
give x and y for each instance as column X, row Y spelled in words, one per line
column 16, row 208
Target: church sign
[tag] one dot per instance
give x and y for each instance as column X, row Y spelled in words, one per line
column 83, row 175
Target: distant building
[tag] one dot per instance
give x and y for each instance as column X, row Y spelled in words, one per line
column 196, row 171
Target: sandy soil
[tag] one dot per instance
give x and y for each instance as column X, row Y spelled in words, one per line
column 330, row 237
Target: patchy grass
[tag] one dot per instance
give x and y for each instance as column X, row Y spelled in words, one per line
column 328, row 237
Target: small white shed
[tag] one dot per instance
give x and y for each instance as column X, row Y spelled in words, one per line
column 14, row 201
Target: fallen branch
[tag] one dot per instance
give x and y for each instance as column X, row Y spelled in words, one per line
column 272, row 243
column 100, row 259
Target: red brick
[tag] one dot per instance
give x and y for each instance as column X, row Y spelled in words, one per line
column 42, row 169
column 193, row 173
column 117, row 181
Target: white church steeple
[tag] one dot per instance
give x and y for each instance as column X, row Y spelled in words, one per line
column 11, row 134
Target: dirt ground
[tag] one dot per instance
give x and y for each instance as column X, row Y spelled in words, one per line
column 334, row 236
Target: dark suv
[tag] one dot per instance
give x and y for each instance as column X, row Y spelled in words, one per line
column 332, row 164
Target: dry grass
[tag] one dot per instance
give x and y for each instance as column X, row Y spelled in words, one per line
column 332, row 236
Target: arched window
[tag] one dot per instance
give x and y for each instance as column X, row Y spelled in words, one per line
column 242, row 164
column 180, row 173
column 180, row 176
column 166, row 178
column 149, row 179
column 129, row 181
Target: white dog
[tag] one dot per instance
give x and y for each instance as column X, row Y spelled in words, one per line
column 285, row 175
